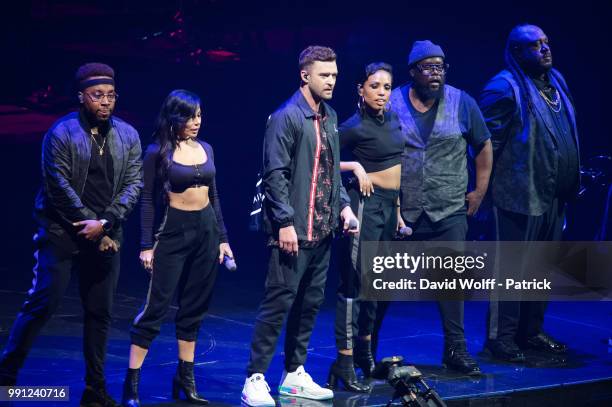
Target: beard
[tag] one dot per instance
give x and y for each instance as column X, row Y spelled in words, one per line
column 95, row 121
column 426, row 93
column 325, row 95
column 535, row 68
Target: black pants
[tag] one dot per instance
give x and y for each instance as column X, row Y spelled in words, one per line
column 185, row 258
column 377, row 216
column 57, row 255
column 450, row 229
column 295, row 288
column 512, row 320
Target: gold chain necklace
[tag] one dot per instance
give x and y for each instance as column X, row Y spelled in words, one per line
column 555, row 105
column 100, row 147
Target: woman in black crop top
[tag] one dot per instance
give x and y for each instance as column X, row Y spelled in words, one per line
column 183, row 238
column 374, row 138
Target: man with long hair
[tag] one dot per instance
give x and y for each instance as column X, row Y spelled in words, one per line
column 91, row 169
column 304, row 201
column 530, row 113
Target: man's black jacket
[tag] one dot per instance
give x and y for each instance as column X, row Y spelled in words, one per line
column 289, row 159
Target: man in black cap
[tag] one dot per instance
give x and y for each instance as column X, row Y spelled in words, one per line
column 91, row 168
column 439, row 122
column 530, row 113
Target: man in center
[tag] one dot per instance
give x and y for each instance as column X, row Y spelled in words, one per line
column 304, row 199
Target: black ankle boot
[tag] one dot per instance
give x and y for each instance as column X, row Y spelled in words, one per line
column 185, row 381
column 363, row 357
column 130, row 388
column 343, row 370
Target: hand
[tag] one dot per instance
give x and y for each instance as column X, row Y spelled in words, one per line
column 146, row 259
column 91, row 229
column 400, row 223
column 474, row 200
column 403, row 231
column 365, row 185
column 347, row 215
column 225, row 250
column 287, row 240
column 108, row 245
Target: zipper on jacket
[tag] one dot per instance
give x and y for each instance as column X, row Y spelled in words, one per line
column 313, row 181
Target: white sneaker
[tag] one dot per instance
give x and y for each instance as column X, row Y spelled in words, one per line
column 256, row 391
column 300, row 384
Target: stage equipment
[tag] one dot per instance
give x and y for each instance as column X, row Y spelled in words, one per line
column 408, row 384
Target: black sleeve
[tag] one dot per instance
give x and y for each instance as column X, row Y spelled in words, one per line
column 345, row 200
column 348, row 137
column 476, row 131
column 56, row 171
column 131, row 187
column 278, row 153
column 347, row 141
column 498, row 106
column 147, row 202
column 213, row 195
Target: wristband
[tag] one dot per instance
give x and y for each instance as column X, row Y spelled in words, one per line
column 105, row 224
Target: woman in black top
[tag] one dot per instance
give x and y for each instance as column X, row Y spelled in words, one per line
column 180, row 198
column 374, row 138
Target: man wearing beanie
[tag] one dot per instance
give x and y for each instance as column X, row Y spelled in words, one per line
column 439, row 123
column 91, row 169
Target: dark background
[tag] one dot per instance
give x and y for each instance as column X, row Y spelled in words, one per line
column 241, row 58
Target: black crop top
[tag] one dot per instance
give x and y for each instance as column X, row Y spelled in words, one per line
column 377, row 143
column 181, row 177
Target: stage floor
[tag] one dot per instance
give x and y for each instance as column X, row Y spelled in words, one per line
column 410, row 329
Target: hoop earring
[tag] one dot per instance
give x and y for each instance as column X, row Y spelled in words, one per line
column 388, row 106
column 361, row 104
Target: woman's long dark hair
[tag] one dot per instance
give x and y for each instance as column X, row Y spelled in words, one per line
column 180, row 106
column 370, row 70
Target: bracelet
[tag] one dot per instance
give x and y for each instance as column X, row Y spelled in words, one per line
column 105, row 224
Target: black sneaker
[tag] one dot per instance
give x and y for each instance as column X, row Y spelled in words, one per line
column 97, row 397
column 456, row 357
column 505, row 350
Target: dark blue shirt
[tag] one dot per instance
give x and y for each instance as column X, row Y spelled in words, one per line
column 498, row 101
column 470, row 118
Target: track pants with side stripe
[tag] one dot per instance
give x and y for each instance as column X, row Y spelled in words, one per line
column 377, row 216
column 58, row 254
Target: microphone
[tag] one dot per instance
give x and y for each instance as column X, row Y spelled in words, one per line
column 353, row 224
column 405, row 231
column 229, row 263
